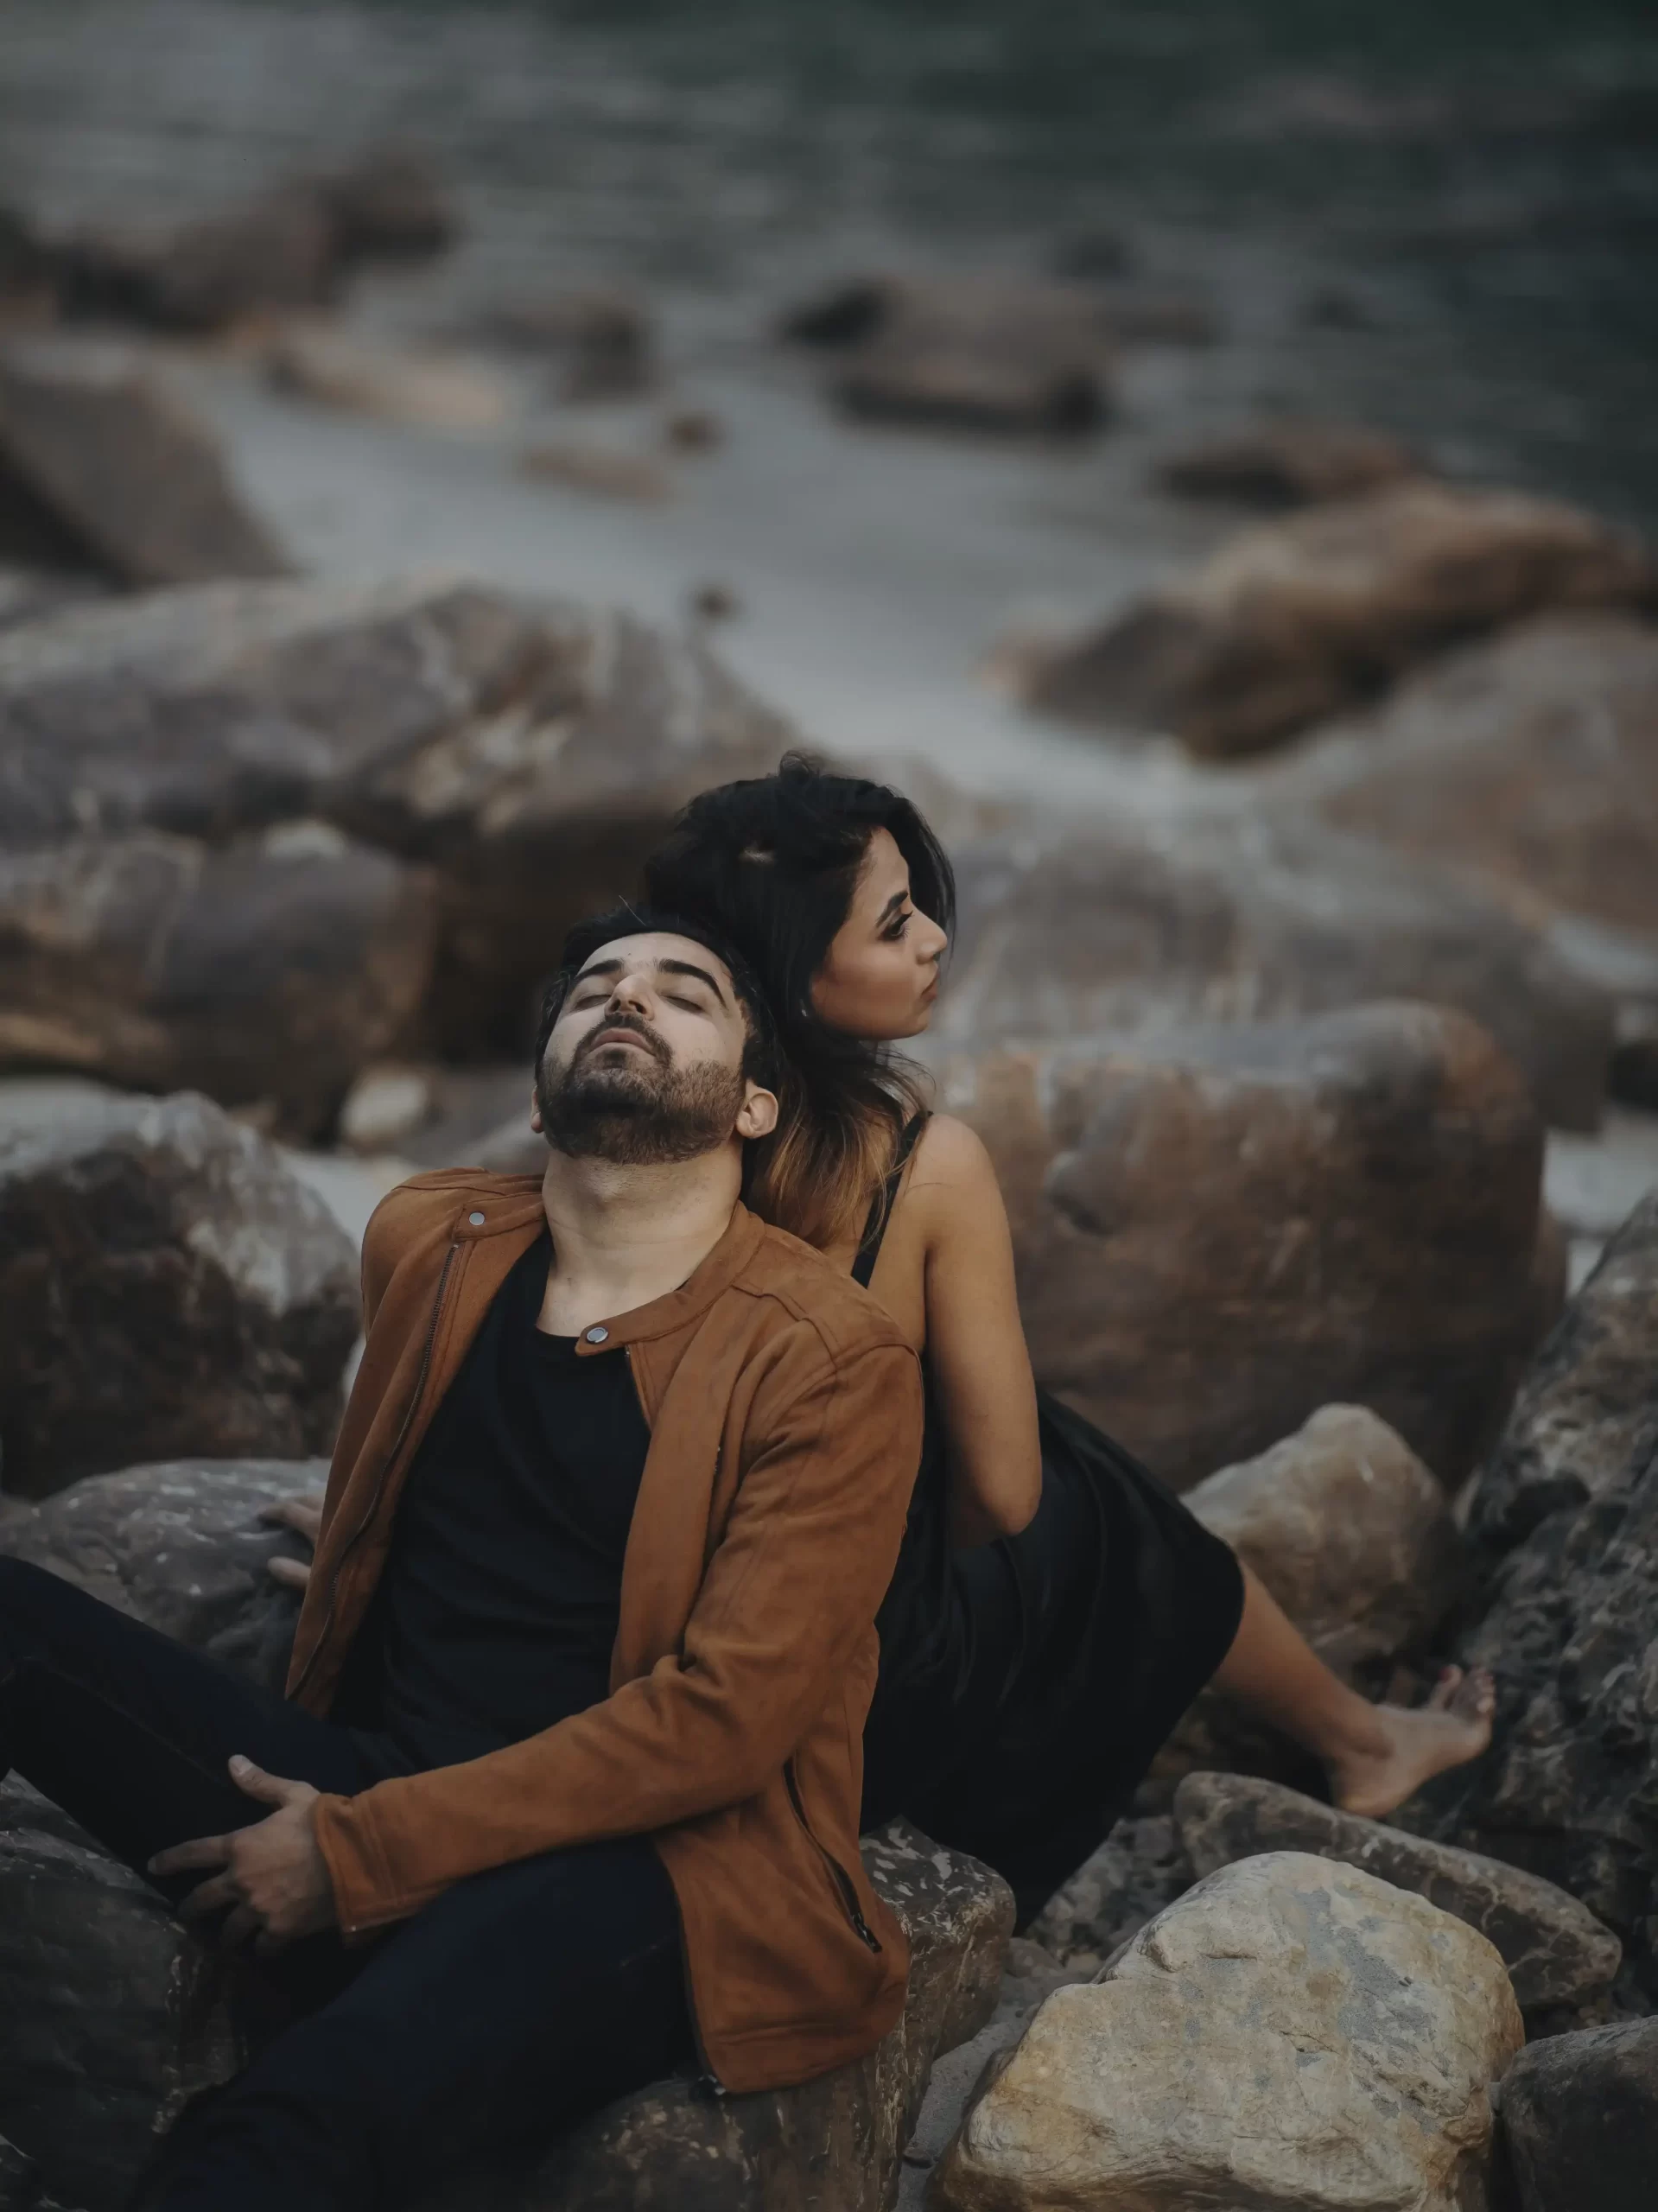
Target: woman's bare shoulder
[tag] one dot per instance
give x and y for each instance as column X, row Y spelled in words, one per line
column 951, row 1161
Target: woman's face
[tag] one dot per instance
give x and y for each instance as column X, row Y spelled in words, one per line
column 881, row 973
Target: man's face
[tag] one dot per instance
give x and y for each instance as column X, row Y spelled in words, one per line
column 644, row 1062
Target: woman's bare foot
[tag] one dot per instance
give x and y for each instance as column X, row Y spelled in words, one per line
column 1404, row 1747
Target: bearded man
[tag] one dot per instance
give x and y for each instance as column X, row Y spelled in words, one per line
column 565, row 1790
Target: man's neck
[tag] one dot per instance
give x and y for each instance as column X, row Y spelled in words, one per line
column 623, row 1235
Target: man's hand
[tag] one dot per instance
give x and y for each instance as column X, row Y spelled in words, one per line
column 304, row 1517
column 272, row 1877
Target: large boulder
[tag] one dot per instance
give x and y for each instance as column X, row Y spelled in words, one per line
column 106, row 467
column 1565, row 1518
column 1532, row 758
column 1133, row 927
column 1297, row 618
column 530, row 752
column 1557, row 1953
column 1578, row 2119
column 167, row 1287
column 1218, row 1233
column 264, row 972
column 1292, row 2035
column 182, row 1548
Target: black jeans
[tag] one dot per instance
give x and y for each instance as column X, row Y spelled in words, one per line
column 513, row 2006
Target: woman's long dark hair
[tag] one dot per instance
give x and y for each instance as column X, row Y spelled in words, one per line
column 772, row 864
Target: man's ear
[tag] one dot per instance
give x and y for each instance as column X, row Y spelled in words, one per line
column 758, row 1114
column 535, row 1112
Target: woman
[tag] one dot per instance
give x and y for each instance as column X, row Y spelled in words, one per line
column 1055, row 1608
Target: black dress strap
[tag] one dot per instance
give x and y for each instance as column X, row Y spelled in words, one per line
column 881, row 1206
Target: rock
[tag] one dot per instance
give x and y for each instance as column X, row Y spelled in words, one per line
column 531, row 751
column 182, row 1547
column 1298, row 618
column 134, row 486
column 1634, row 1077
column 385, row 1107
column 1137, row 927
column 390, row 204
column 1289, row 464
column 166, row 1288
column 972, row 353
column 693, row 430
column 1556, row 1952
column 31, row 595
column 110, row 2016
column 602, row 340
column 1578, row 2119
column 434, row 390
column 1532, row 758
column 1139, row 1869
column 1565, row 1517
column 1349, row 1530
column 602, row 471
column 271, row 969
column 1217, row 1233
column 1291, row 2034
column 834, row 2144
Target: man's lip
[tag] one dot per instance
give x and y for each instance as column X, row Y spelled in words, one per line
column 619, row 1037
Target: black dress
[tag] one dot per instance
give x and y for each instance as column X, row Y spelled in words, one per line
column 1026, row 1685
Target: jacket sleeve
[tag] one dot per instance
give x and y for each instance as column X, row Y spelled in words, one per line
column 793, row 1585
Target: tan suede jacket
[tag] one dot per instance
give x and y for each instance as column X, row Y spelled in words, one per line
column 785, row 1418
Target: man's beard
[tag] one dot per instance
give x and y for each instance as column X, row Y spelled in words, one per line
column 635, row 1112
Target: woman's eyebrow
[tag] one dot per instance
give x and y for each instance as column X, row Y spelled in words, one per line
column 897, row 900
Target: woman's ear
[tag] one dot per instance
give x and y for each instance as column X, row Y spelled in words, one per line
column 758, row 1114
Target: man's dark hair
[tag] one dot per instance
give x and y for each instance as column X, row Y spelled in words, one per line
column 761, row 1056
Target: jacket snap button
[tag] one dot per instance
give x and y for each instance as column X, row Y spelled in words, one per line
column 476, row 1219
column 597, row 1336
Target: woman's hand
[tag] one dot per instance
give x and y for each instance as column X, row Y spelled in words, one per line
column 304, row 1517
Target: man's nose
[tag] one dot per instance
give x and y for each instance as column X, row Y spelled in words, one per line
column 629, row 995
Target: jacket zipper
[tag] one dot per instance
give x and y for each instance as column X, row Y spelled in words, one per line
column 386, row 1465
column 843, row 1880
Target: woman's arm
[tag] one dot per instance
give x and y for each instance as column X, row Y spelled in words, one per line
column 976, row 1342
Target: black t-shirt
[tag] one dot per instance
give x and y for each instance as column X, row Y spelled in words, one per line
column 496, row 1611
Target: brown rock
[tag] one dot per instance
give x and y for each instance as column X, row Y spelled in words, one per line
column 269, row 970
column 1135, row 928
column 603, row 472
column 1217, row 1234
column 1290, row 464
column 132, row 483
column 390, row 204
column 1556, row 1952
column 531, row 751
column 440, row 392
column 1533, row 758
column 167, row 1287
column 1297, row 618
column 601, row 340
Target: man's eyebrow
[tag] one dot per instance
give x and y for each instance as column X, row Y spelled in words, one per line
column 599, row 968
column 690, row 968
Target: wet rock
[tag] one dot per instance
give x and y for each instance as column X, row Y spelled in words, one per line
column 834, row 2144
column 181, row 1546
column 20, row 2180
column 166, row 1288
column 1349, row 1530
column 1290, row 2034
column 268, row 970
column 436, row 391
column 1220, row 1232
column 1290, row 464
column 1137, row 927
column 1556, row 1952
column 1298, row 618
column 386, row 1107
column 1578, row 2119
column 110, row 2016
column 32, row 595
column 972, row 353
column 604, row 472
column 1564, row 1518
column 105, row 468
column 1139, row 1869
column 601, row 342
column 1532, row 758
column 533, row 753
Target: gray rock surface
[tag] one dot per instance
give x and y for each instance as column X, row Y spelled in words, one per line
column 264, row 972
column 180, row 1546
column 1220, row 1231
column 1297, row 618
column 530, row 752
column 1579, row 2119
column 167, row 1287
column 1292, row 2035
column 134, row 483
column 1134, row 928
column 1566, row 1520
column 1556, row 1952
column 1140, row 1868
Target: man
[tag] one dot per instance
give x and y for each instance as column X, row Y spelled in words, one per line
column 566, row 1784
